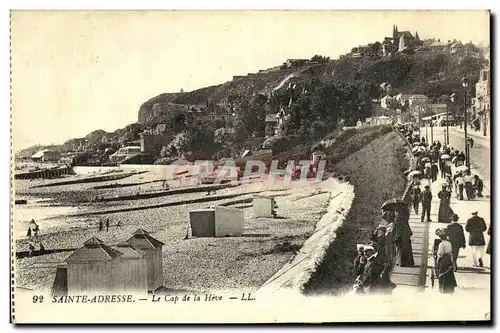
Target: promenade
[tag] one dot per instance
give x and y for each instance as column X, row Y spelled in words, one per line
column 472, row 281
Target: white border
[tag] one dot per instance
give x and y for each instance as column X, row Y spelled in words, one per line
column 177, row 4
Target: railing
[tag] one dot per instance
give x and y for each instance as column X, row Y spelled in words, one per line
column 425, row 247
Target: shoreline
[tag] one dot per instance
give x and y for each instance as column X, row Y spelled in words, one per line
column 189, row 264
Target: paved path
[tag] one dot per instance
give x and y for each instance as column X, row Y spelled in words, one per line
column 472, row 282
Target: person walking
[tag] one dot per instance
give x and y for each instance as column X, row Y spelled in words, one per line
column 402, row 240
column 456, row 237
column 434, row 171
column 476, row 227
column 441, row 167
column 471, row 142
column 478, row 186
column 119, row 225
column 100, row 226
column 445, row 213
column 488, row 249
column 415, row 197
column 468, row 181
column 107, row 225
column 426, row 198
column 428, row 171
column 459, row 183
column 445, row 268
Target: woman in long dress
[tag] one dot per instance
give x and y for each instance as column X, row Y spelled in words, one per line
column 445, row 212
column 402, row 240
column 445, row 268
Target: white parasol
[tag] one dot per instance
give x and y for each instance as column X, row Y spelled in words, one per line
column 461, row 168
column 445, row 156
column 414, row 173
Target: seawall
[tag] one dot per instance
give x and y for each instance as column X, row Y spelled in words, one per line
column 296, row 273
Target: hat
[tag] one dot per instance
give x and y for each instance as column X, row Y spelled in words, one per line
column 439, row 232
column 427, row 187
column 369, row 247
column 360, row 247
column 454, row 218
column 474, row 213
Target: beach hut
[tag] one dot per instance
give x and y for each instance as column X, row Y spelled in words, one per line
column 96, row 268
column 263, row 206
column 152, row 249
column 219, row 221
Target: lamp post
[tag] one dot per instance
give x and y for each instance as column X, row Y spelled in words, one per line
column 419, row 121
column 452, row 98
column 465, row 84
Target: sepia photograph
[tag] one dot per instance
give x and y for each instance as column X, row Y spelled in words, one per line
column 250, row 166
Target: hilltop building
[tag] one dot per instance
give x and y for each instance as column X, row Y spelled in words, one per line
column 400, row 41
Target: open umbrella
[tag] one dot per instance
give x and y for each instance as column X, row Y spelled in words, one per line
column 461, row 168
column 445, row 157
column 426, row 159
column 414, row 173
column 394, row 204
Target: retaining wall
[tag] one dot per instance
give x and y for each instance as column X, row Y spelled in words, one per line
column 295, row 274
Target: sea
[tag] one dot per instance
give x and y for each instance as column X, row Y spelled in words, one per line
column 47, row 215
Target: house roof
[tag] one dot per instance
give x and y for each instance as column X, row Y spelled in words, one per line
column 271, row 118
column 419, row 96
column 438, row 44
column 143, row 241
column 161, row 128
column 318, row 152
column 39, row 154
column 93, row 250
column 406, row 34
column 247, row 152
column 128, row 252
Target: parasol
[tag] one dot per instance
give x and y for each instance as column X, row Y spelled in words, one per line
column 415, row 144
column 461, row 168
column 414, row 149
column 426, row 159
column 414, row 173
column 393, row 204
column 445, row 156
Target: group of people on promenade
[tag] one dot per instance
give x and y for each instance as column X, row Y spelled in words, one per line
column 391, row 241
column 448, row 244
column 390, row 244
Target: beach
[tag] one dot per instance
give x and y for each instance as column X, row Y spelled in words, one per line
column 194, row 264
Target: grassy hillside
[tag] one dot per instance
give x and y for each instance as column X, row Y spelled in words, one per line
column 376, row 171
column 322, row 93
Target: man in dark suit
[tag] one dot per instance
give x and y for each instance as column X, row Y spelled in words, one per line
column 426, row 197
column 478, row 186
column 476, row 227
column 456, row 237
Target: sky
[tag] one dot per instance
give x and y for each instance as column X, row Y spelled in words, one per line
column 74, row 72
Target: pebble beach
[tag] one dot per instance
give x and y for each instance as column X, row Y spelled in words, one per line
column 194, row 264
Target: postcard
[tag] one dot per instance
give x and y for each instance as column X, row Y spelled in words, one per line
column 250, row 166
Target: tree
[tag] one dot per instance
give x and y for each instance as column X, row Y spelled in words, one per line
column 224, row 135
column 182, row 142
